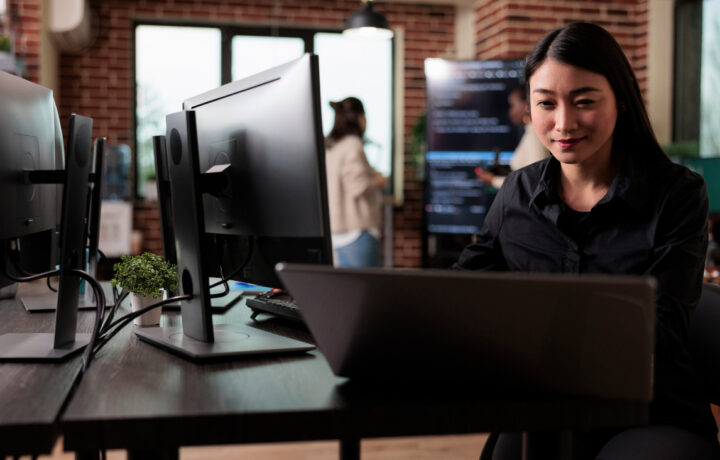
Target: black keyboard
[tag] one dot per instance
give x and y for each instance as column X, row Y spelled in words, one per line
column 278, row 304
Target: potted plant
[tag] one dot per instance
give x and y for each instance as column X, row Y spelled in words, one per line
column 145, row 276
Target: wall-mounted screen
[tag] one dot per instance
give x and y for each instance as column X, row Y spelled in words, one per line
column 468, row 126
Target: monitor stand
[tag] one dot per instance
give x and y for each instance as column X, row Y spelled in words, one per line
column 33, row 346
column 65, row 340
column 198, row 339
column 47, row 301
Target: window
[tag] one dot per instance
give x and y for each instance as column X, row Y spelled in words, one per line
column 360, row 68
column 697, row 76
column 171, row 64
column 253, row 54
column 176, row 62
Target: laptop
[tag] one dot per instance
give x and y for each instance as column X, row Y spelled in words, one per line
column 589, row 335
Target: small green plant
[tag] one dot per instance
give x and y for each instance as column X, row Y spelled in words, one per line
column 145, row 274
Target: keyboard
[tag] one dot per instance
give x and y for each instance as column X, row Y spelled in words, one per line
column 274, row 303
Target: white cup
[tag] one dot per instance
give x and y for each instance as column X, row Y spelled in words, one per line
column 138, row 302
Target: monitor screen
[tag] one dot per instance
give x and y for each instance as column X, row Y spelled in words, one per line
column 468, row 126
column 273, row 208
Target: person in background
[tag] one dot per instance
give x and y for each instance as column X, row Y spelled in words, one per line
column 354, row 189
column 608, row 201
column 529, row 149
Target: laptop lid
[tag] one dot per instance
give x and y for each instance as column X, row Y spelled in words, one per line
column 590, row 335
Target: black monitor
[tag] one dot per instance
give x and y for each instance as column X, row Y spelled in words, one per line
column 468, row 126
column 30, row 145
column 268, row 129
column 246, row 164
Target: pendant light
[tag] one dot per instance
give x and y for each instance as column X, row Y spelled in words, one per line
column 368, row 23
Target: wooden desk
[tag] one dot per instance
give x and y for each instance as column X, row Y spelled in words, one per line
column 138, row 397
column 32, row 394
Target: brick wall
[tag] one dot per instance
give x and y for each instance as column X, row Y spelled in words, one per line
column 507, row 29
column 25, row 16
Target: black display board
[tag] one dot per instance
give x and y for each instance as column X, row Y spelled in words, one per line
column 468, row 126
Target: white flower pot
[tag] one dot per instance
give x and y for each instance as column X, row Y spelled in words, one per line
column 151, row 318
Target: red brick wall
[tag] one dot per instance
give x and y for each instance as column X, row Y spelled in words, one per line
column 507, row 29
column 25, row 16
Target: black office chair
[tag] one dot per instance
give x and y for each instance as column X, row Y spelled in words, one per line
column 704, row 346
column 704, row 341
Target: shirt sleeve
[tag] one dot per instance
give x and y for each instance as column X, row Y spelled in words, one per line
column 678, row 259
column 485, row 253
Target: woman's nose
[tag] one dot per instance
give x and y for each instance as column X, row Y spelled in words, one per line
column 565, row 119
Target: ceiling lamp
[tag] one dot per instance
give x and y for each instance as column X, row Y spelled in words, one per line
column 367, row 23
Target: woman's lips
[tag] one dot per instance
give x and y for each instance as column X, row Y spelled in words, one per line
column 568, row 143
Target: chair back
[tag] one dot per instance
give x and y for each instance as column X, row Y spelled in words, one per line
column 704, row 340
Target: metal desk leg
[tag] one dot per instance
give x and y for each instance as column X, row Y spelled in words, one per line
column 349, row 449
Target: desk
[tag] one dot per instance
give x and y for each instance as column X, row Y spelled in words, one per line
column 138, row 397
column 32, row 395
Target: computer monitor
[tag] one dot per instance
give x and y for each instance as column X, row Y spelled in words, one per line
column 468, row 126
column 30, row 171
column 268, row 128
column 246, row 163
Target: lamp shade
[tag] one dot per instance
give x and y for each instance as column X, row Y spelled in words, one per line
column 368, row 23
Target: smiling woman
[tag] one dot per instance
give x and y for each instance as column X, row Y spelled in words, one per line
column 608, row 201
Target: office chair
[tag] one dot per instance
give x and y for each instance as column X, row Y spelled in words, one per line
column 704, row 341
column 704, row 347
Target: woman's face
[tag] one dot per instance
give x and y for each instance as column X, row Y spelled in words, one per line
column 573, row 111
column 362, row 122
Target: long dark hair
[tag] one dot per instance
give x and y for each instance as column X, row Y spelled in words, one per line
column 592, row 48
column 347, row 119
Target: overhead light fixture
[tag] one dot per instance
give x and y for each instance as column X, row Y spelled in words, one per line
column 367, row 23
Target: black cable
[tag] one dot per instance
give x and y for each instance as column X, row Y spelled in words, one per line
column 225, row 285
column 100, row 311
column 50, row 286
column 240, row 268
column 25, row 279
column 123, row 321
column 113, row 310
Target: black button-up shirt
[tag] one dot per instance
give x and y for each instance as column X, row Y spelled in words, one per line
column 652, row 221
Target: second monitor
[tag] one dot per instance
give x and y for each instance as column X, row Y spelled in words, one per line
column 247, row 173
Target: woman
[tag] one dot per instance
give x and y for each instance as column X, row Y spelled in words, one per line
column 529, row 149
column 354, row 189
column 608, row 200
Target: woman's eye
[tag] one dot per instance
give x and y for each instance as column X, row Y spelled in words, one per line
column 584, row 102
column 545, row 104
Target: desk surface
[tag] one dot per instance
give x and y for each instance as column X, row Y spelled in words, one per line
column 136, row 396
column 32, row 394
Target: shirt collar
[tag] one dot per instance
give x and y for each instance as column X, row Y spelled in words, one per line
column 630, row 185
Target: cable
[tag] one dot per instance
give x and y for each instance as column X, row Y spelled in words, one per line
column 232, row 275
column 123, row 321
column 113, row 310
column 100, row 311
column 50, row 286
column 224, row 283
